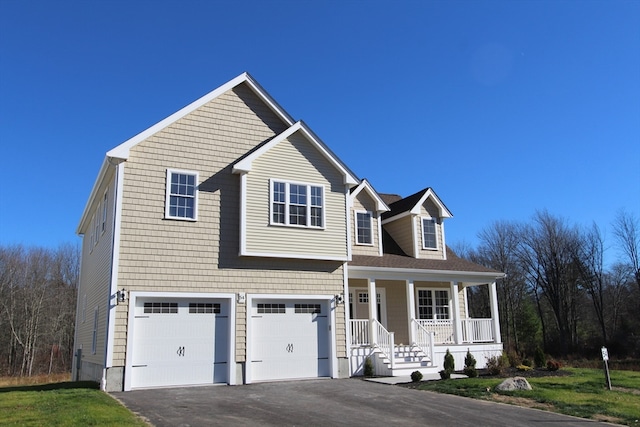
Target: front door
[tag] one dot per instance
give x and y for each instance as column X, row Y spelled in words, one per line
column 359, row 305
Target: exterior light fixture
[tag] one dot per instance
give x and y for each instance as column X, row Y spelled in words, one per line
column 121, row 296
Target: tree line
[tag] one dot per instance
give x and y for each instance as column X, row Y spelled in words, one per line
column 38, row 292
column 558, row 294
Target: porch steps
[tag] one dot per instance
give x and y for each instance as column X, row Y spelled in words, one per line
column 408, row 358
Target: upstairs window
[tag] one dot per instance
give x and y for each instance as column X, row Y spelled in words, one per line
column 364, row 230
column 297, row 204
column 429, row 240
column 182, row 195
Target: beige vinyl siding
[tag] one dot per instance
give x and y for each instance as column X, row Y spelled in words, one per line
column 428, row 209
column 296, row 160
column 402, row 232
column 397, row 315
column 95, row 277
column 364, row 202
column 202, row 256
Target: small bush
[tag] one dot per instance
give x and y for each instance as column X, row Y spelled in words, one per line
column 449, row 362
column 553, row 365
column 514, row 358
column 470, row 365
column 470, row 372
column 444, row 374
column 416, row 376
column 368, row 367
column 527, row 362
column 496, row 364
column 539, row 358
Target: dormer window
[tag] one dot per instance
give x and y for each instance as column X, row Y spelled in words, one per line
column 297, row 204
column 429, row 237
column 364, row 231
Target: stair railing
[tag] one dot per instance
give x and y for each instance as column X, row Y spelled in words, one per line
column 423, row 338
column 385, row 342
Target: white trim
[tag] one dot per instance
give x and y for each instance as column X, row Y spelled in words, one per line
column 444, row 241
column 435, row 231
column 115, row 262
column 167, row 197
column 348, row 204
column 454, row 299
column 243, row 214
column 387, row 273
column 287, row 203
column 245, row 165
column 358, row 229
column 345, row 304
column 466, row 302
column 433, row 298
column 295, row 256
column 94, row 330
column 332, row 326
column 396, row 217
column 380, row 246
column 134, row 295
column 444, row 212
column 381, row 206
column 122, row 150
column 416, row 238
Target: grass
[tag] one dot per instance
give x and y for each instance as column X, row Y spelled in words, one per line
column 583, row 394
column 60, row 404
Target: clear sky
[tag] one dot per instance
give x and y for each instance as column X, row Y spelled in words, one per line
column 502, row 107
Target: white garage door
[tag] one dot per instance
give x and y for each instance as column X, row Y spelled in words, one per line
column 180, row 342
column 290, row 339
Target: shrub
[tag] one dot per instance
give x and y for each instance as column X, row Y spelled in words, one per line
column 368, row 367
column 416, row 376
column 523, row 367
column 444, row 374
column 449, row 362
column 553, row 365
column 514, row 358
column 539, row 358
column 527, row 362
column 470, row 365
column 496, row 364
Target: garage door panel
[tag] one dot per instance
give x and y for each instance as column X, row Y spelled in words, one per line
column 183, row 345
column 290, row 343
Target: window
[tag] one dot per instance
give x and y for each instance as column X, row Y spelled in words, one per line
column 363, row 228
column 271, row 309
column 363, row 298
column 433, row 304
column 182, row 195
column 104, row 211
column 204, row 308
column 160, row 307
column 308, row 308
column 297, row 204
column 94, row 338
column 429, row 234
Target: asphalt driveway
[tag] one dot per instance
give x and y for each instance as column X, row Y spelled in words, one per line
column 349, row 402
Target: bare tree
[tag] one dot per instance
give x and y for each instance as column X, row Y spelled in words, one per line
column 627, row 233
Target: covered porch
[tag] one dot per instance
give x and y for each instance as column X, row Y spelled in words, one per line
column 415, row 317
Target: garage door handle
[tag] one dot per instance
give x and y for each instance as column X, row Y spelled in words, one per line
column 180, row 351
column 289, row 348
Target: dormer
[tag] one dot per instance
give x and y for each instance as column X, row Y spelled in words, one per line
column 365, row 213
column 416, row 223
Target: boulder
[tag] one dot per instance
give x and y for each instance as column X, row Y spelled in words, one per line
column 515, row 383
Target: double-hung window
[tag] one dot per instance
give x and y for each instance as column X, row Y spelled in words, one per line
column 182, row 195
column 429, row 237
column 364, row 230
column 433, row 304
column 297, row 204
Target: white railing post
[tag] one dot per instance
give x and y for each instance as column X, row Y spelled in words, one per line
column 455, row 302
column 373, row 309
column 392, row 348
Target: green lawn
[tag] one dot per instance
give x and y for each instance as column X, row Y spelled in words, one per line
column 62, row 404
column 582, row 393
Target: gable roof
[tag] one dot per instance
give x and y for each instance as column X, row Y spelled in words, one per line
column 245, row 165
column 412, row 203
column 122, row 150
column 381, row 206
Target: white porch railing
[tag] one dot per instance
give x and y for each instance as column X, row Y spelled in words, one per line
column 477, row 330
column 360, row 332
column 423, row 338
column 385, row 342
column 442, row 329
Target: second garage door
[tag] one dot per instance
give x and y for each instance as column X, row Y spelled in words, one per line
column 290, row 339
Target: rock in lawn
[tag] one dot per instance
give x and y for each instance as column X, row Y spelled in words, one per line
column 515, row 383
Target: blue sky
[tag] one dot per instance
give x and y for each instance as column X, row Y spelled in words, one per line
column 503, row 107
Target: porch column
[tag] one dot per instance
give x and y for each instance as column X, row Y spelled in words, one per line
column 411, row 309
column 493, row 301
column 373, row 310
column 455, row 302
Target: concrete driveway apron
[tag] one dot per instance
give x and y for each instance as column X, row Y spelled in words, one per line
column 346, row 402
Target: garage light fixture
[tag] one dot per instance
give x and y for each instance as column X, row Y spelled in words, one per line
column 339, row 299
column 121, row 296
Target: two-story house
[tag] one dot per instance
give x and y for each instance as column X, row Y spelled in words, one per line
column 228, row 244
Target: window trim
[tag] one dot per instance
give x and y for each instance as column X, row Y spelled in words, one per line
column 287, row 204
column 167, row 201
column 434, row 306
column 94, row 335
column 358, row 242
column 105, row 205
column 435, row 233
